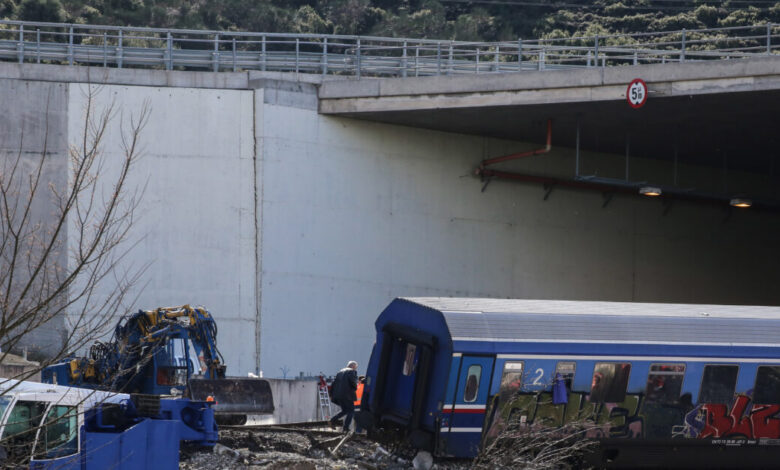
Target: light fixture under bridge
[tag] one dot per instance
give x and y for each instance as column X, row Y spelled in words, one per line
column 741, row 202
column 650, row 191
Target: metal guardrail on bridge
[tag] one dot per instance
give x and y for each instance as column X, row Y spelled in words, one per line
column 362, row 56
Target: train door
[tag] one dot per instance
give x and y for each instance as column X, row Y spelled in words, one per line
column 467, row 408
column 405, row 371
column 399, row 393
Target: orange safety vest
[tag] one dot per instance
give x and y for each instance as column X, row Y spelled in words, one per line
column 359, row 393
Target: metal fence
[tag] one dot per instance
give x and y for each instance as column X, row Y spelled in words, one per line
column 365, row 56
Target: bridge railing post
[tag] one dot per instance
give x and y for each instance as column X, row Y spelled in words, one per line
column 119, row 52
column 519, row 54
column 297, row 54
column 20, row 46
column 438, row 58
column 476, row 61
column 325, row 56
column 235, row 57
column 450, row 60
column 404, row 60
column 357, row 65
column 682, row 46
column 263, row 60
column 596, row 51
column 417, row 60
column 105, row 49
column 215, row 54
column 169, row 51
column 769, row 38
column 38, row 45
column 497, row 58
column 70, row 46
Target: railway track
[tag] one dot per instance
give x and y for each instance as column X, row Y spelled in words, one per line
column 312, row 427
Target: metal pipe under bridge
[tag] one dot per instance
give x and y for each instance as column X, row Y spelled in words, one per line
column 366, row 56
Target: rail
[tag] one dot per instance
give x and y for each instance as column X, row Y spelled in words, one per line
column 365, row 56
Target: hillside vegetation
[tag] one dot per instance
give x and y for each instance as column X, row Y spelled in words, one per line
column 487, row 20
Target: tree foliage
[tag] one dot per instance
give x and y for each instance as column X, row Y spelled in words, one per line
column 439, row 19
column 41, row 10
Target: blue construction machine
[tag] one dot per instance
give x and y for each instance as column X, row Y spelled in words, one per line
column 49, row 427
column 167, row 351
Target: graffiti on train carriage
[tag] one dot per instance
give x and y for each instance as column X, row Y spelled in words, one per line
column 743, row 419
column 660, row 411
column 606, row 409
column 622, row 419
column 721, row 413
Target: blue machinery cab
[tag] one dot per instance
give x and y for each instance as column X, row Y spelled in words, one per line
column 56, row 427
column 654, row 381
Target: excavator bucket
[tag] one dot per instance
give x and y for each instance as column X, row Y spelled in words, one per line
column 236, row 396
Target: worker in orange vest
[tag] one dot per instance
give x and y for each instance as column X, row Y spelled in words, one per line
column 359, row 394
column 359, row 391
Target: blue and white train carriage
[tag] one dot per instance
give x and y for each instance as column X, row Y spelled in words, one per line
column 655, row 381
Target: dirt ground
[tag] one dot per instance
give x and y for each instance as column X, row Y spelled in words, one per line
column 300, row 450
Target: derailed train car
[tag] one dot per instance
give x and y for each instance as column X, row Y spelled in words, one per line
column 660, row 384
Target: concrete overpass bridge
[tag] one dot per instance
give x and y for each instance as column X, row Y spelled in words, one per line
column 316, row 177
column 720, row 114
column 708, row 89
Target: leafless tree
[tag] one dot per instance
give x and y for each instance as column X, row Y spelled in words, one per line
column 61, row 244
column 63, row 240
column 537, row 446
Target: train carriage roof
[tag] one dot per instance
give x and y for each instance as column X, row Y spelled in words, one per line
column 497, row 320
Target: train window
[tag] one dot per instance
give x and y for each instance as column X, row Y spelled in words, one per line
column 409, row 361
column 664, row 383
column 718, row 384
column 566, row 369
column 472, row 383
column 767, row 389
column 610, row 380
column 511, row 380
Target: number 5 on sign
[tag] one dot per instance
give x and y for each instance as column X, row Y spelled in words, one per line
column 636, row 94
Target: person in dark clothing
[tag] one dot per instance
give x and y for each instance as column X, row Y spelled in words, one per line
column 343, row 391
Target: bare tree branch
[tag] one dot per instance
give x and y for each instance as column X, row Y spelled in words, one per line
column 61, row 245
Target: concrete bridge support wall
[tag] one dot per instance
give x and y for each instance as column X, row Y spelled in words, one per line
column 195, row 225
column 33, row 126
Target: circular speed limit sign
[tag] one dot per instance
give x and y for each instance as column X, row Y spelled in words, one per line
column 636, row 94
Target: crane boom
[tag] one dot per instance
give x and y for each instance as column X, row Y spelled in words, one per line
column 150, row 352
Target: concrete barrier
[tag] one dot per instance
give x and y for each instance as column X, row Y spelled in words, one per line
column 295, row 401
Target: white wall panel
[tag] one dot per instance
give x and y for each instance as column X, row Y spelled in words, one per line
column 195, row 226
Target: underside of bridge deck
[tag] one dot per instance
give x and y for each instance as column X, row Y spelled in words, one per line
column 738, row 128
column 719, row 117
